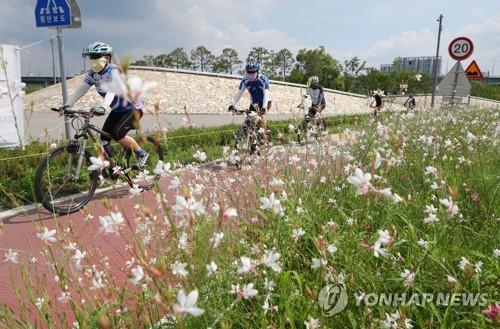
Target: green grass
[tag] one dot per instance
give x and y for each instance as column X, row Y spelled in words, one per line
column 322, row 202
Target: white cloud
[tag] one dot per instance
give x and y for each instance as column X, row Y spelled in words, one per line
column 407, row 43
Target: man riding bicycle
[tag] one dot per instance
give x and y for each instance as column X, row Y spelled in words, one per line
column 258, row 87
column 316, row 92
column 410, row 103
column 124, row 114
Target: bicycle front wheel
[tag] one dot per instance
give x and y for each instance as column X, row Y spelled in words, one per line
column 58, row 185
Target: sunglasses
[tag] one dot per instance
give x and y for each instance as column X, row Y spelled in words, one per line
column 95, row 56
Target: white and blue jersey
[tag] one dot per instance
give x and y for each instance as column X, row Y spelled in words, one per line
column 99, row 80
column 258, row 89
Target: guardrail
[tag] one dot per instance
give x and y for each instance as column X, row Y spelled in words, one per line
column 236, row 77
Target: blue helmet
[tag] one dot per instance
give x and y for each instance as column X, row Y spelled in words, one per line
column 252, row 67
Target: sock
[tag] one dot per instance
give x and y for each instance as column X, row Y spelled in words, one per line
column 140, row 153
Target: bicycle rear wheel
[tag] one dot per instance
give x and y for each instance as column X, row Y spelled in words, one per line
column 143, row 177
column 58, row 187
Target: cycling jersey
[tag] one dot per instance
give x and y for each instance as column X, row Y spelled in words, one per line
column 258, row 88
column 317, row 97
column 99, row 80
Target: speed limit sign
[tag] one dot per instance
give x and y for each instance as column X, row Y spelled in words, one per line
column 460, row 48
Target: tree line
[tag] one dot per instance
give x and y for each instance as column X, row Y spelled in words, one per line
column 351, row 75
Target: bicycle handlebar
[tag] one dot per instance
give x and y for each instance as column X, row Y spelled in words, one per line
column 73, row 113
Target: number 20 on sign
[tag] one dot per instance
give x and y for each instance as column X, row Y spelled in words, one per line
column 460, row 48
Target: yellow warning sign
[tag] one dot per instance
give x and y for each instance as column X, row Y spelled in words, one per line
column 473, row 72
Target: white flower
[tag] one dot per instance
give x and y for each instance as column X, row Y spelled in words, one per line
column 216, row 239
column 291, row 127
column 183, row 241
column 470, row 137
column 63, row 297
column 378, row 161
column 361, row 181
column 47, row 236
column 271, row 259
column 409, row 278
column 451, row 207
column 297, row 233
column 230, row 213
column 135, row 190
column 271, row 203
column 190, row 207
column 161, row 168
column 431, row 219
column 248, row 291
column 378, row 250
column 316, row 263
column 174, row 183
column 451, row 279
column 179, row 269
column 77, row 257
column 384, row 236
column 111, row 223
column 211, row 268
column 478, row 267
column 200, row 156
column 331, row 249
column 11, row 256
column 97, row 164
column 246, row 265
column 463, row 263
column 312, row 323
column 430, row 170
column 423, row 243
column 275, row 182
column 396, row 198
column 39, row 303
column 137, row 274
column 187, row 304
column 496, row 253
column 53, row 146
column 430, row 209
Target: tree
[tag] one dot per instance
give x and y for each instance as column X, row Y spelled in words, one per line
column 178, row 59
column 317, row 62
column 226, row 61
column 284, row 60
column 161, row 60
column 270, row 65
column 259, row 55
column 149, row 60
column 202, row 58
column 351, row 70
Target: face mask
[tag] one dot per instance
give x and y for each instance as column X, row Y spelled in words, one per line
column 99, row 64
column 251, row 76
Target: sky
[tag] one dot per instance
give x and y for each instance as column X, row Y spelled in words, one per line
column 375, row 31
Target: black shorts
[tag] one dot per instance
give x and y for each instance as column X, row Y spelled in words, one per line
column 118, row 124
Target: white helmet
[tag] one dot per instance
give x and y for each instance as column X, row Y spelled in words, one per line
column 99, row 48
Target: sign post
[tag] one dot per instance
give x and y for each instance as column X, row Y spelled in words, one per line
column 459, row 49
column 59, row 14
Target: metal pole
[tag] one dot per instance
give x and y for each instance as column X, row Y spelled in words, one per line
column 455, row 83
column 493, row 67
column 435, row 73
column 83, row 56
column 60, row 43
column 53, row 61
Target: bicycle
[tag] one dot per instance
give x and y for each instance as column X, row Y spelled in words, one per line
column 313, row 124
column 63, row 181
column 250, row 135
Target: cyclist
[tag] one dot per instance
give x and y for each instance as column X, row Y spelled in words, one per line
column 377, row 104
column 258, row 87
column 410, row 103
column 315, row 91
column 124, row 115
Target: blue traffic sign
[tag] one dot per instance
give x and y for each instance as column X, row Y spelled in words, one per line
column 52, row 13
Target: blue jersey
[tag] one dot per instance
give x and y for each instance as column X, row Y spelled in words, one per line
column 119, row 103
column 256, row 89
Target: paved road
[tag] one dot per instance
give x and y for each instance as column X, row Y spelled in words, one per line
column 41, row 121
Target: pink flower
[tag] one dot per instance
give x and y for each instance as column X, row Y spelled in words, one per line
column 493, row 312
column 361, row 181
column 230, row 213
